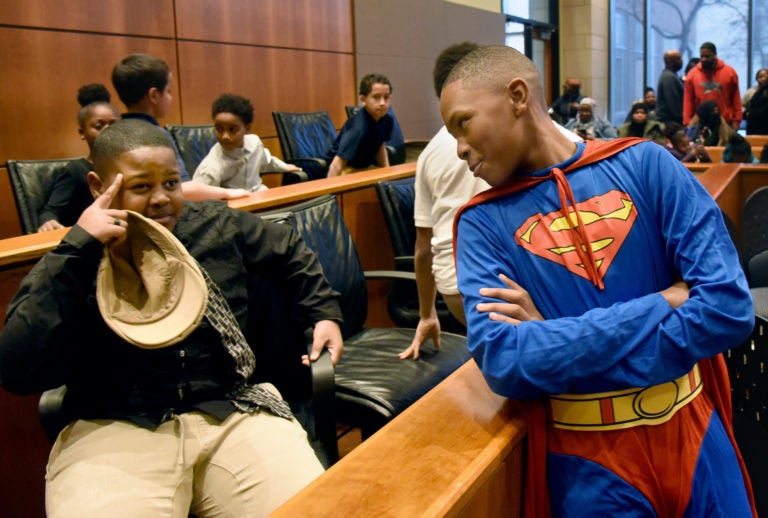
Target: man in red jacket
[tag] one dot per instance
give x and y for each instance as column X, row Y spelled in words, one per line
column 712, row 80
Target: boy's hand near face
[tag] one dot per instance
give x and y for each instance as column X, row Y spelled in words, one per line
column 102, row 222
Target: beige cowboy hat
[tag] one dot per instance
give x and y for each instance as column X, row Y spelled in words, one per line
column 157, row 296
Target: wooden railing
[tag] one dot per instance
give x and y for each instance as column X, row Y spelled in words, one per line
column 457, row 451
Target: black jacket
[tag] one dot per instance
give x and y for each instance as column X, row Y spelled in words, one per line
column 54, row 333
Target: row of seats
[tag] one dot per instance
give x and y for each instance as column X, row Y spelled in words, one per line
column 304, row 140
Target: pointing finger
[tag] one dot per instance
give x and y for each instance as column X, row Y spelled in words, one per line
column 105, row 200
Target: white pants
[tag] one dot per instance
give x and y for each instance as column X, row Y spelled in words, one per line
column 246, row 465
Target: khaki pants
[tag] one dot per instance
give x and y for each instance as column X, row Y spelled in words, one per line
column 246, row 465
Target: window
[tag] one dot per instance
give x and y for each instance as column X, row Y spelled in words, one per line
column 641, row 30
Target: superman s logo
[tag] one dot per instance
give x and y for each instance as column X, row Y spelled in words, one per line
column 607, row 220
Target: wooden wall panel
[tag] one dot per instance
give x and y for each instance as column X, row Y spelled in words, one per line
column 137, row 17
column 38, row 99
column 9, row 219
column 297, row 57
column 402, row 38
column 274, row 79
column 304, row 24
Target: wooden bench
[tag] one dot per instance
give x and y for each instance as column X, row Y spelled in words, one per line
column 716, row 152
column 757, row 140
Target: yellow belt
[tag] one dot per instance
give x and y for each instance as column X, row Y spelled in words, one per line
column 625, row 408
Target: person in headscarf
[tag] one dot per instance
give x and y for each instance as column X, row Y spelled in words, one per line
column 589, row 126
column 641, row 126
column 708, row 126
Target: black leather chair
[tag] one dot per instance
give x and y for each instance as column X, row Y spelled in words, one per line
column 749, row 391
column 397, row 203
column 754, row 224
column 31, row 182
column 278, row 349
column 193, row 141
column 305, row 139
column 372, row 384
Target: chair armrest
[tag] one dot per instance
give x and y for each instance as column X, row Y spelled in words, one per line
column 389, row 275
column 50, row 411
column 324, row 405
column 314, row 167
column 404, row 263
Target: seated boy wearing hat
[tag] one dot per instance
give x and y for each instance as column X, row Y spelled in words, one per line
column 140, row 311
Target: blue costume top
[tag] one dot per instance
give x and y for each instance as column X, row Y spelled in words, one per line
column 361, row 138
column 649, row 223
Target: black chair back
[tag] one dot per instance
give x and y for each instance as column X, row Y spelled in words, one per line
column 305, row 139
column 397, row 198
column 321, row 225
column 372, row 383
column 754, row 223
column 193, row 141
column 31, row 182
column 749, row 393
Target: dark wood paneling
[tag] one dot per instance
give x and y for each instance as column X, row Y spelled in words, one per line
column 25, row 448
column 273, row 79
column 304, row 24
column 137, row 17
column 43, row 70
column 9, row 218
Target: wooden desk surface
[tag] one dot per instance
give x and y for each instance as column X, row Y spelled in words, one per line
column 22, row 249
column 431, row 460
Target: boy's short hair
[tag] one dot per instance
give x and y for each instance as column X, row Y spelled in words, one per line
column 125, row 135
column 492, row 67
column 448, row 59
column 367, row 82
column 234, row 104
column 136, row 74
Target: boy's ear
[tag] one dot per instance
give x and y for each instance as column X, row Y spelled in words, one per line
column 95, row 185
column 153, row 95
column 82, row 133
column 519, row 94
column 362, row 99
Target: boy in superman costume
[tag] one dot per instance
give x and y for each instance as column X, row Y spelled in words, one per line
column 625, row 289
